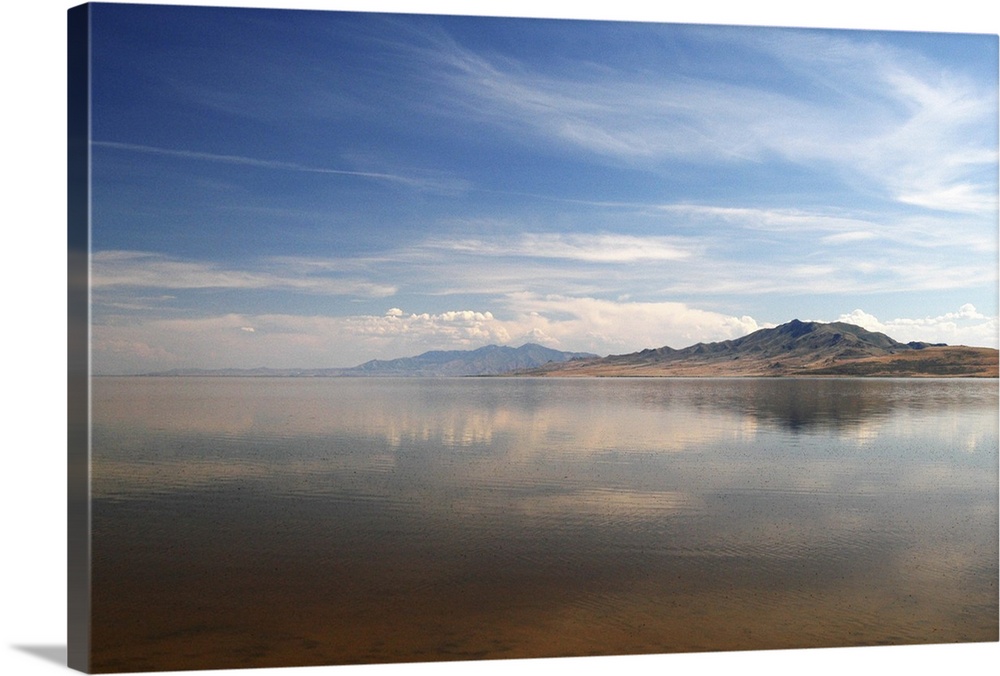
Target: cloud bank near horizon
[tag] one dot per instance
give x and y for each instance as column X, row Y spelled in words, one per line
column 571, row 324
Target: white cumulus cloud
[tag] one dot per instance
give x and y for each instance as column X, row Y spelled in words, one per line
column 606, row 326
column 294, row 341
column 966, row 326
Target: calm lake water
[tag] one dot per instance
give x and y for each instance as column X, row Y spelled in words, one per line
column 243, row 522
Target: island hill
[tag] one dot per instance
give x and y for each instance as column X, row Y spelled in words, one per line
column 793, row 349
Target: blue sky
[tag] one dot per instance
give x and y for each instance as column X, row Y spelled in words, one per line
column 308, row 189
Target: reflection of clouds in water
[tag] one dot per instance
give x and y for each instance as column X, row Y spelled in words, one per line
column 594, row 504
column 552, row 428
column 953, row 429
column 967, row 432
column 567, row 430
column 249, row 408
column 864, row 433
column 724, row 433
column 655, row 415
column 452, row 431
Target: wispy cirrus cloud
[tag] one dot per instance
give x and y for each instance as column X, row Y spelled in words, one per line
column 785, row 220
column 836, row 227
column 608, row 112
column 849, row 237
column 584, row 248
column 139, row 269
column 424, row 181
column 821, row 255
column 873, row 116
column 735, row 251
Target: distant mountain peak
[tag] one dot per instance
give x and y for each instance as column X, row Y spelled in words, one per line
column 486, row 360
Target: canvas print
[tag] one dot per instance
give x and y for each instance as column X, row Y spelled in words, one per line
column 419, row 338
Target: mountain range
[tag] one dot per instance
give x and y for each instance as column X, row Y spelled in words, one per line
column 795, row 348
column 485, row 361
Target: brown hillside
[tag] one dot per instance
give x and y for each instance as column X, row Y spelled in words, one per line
column 793, row 349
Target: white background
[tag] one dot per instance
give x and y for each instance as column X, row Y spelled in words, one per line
column 33, row 330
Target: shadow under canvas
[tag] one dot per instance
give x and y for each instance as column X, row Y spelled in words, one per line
column 49, row 653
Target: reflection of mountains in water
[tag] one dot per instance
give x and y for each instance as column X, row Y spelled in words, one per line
column 803, row 405
column 822, row 404
column 795, row 348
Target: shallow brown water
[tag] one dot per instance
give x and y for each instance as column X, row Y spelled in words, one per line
column 264, row 522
